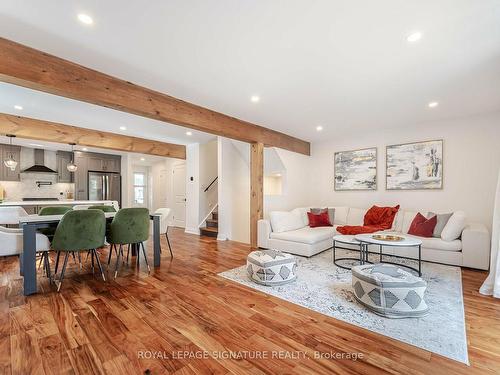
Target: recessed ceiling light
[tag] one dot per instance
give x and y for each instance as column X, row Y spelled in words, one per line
column 18, row 107
column 123, row 128
column 85, row 18
column 85, row 149
column 142, row 159
column 433, row 104
column 189, row 133
column 414, row 37
column 319, row 128
column 254, row 99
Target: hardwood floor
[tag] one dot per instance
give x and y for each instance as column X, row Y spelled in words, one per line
column 183, row 308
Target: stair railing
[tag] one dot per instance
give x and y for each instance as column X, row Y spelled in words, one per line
column 210, row 185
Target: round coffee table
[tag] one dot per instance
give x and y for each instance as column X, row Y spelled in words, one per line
column 347, row 240
column 367, row 239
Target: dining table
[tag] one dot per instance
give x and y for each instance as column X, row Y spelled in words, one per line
column 31, row 223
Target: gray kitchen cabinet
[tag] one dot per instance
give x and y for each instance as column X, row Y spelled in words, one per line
column 5, row 173
column 94, row 162
column 63, row 159
column 81, row 176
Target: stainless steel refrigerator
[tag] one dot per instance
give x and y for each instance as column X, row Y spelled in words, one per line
column 104, row 186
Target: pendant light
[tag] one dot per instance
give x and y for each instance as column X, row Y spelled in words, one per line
column 10, row 162
column 72, row 166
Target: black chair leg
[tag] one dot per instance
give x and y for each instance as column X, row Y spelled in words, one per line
column 49, row 272
column 111, row 252
column 99, row 264
column 92, row 252
column 57, row 261
column 41, row 261
column 128, row 251
column 145, row 257
column 168, row 243
column 63, row 271
column 118, row 260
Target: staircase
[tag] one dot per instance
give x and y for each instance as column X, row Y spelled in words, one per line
column 211, row 228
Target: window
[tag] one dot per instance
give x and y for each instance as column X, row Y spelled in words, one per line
column 139, row 187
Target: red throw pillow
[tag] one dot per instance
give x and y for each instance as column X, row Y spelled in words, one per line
column 421, row 226
column 319, row 220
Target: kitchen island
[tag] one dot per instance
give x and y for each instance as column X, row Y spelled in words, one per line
column 33, row 206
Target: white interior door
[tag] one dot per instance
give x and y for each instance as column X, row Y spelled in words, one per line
column 179, row 190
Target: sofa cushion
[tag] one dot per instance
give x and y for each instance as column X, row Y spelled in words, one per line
column 340, row 215
column 356, row 216
column 442, row 220
column 421, row 226
column 282, row 221
column 454, row 227
column 302, row 212
column 306, row 235
column 438, row 243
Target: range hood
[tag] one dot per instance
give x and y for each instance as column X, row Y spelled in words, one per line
column 39, row 166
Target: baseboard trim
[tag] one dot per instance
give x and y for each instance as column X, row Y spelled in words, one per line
column 192, row 231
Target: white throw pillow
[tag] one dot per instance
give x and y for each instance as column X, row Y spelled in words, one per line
column 284, row 221
column 302, row 212
column 454, row 227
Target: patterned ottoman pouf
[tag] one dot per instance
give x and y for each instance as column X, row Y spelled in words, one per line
column 271, row 267
column 389, row 290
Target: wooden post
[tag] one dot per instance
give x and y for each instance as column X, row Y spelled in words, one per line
column 256, row 189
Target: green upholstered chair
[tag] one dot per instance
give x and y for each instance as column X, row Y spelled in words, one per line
column 103, row 208
column 52, row 210
column 130, row 226
column 79, row 230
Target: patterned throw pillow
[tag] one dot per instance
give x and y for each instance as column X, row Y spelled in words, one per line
column 331, row 213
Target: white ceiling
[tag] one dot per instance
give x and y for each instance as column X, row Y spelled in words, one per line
column 345, row 65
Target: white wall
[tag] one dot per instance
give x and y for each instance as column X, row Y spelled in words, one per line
column 471, row 161
column 193, row 188
column 234, row 190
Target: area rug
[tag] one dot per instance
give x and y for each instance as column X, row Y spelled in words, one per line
column 323, row 287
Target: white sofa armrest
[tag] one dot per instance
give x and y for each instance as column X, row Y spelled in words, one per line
column 476, row 246
column 263, row 233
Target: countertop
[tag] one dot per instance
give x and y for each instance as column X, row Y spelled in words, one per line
column 68, row 202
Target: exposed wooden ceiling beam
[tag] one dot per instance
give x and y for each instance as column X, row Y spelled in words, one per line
column 24, row 127
column 28, row 67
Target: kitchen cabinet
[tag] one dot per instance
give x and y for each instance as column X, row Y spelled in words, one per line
column 6, row 174
column 93, row 162
column 63, row 159
column 81, row 176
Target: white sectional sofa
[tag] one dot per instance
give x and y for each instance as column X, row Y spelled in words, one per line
column 471, row 249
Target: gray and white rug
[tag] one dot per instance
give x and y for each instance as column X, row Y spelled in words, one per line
column 323, row 287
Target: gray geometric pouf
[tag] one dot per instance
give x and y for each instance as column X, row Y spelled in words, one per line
column 271, row 267
column 389, row 290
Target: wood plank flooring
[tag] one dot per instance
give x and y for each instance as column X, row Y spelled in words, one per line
column 163, row 322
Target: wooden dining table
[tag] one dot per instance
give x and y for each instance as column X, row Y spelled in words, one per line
column 30, row 224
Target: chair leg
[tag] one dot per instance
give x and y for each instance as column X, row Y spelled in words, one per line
column 41, row 260
column 168, row 243
column 99, row 264
column 57, row 261
column 80, row 260
column 92, row 252
column 118, row 260
column 49, row 272
column 145, row 257
column 128, row 251
column 63, row 271
column 111, row 252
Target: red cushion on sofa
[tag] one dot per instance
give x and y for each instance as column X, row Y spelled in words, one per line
column 383, row 216
column 421, row 226
column 319, row 220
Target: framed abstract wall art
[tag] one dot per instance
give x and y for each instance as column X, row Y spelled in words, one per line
column 415, row 166
column 355, row 170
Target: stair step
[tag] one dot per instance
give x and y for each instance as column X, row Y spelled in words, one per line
column 215, row 215
column 212, row 223
column 209, row 231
